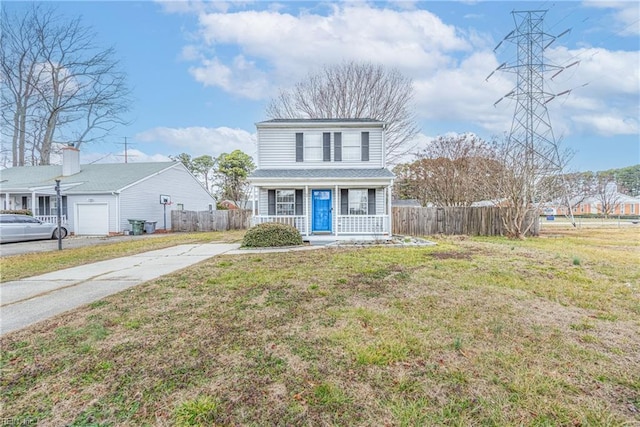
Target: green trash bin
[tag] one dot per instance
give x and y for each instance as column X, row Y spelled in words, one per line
column 137, row 226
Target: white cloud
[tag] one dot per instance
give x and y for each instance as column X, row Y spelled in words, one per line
column 241, row 77
column 250, row 53
column 607, row 124
column 199, row 141
column 626, row 15
column 415, row 41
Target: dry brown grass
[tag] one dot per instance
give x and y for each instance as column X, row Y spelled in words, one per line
column 474, row 331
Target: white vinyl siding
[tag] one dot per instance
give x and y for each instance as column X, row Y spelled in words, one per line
column 277, row 148
column 381, row 200
column 142, row 200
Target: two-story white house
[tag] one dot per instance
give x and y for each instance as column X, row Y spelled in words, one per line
column 326, row 177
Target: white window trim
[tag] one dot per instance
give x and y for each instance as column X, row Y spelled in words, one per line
column 361, row 206
column 280, row 204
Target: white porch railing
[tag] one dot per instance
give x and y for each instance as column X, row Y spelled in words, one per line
column 363, row 224
column 51, row 218
column 299, row 222
column 346, row 224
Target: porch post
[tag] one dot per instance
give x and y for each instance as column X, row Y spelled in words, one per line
column 33, row 203
column 335, row 209
column 6, row 201
column 307, row 216
column 389, row 209
column 255, row 205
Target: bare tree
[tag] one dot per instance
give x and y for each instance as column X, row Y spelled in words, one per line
column 450, row 171
column 354, row 90
column 528, row 178
column 605, row 191
column 61, row 87
column 19, row 63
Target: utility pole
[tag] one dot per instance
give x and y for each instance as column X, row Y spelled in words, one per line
column 126, row 149
column 531, row 126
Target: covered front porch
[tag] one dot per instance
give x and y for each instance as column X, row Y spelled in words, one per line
column 321, row 213
column 42, row 203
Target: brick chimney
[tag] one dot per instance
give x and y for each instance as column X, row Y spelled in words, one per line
column 70, row 160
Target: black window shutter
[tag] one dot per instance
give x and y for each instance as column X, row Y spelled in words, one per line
column 272, row 202
column 364, row 139
column 326, row 147
column 337, row 147
column 344, row 202
column 372, row 201
column 299, row 201
column 299, row 147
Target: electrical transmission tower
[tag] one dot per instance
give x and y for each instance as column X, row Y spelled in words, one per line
column 531, row 126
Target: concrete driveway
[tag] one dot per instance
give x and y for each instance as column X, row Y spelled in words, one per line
column 19, row 248
column 25, row 302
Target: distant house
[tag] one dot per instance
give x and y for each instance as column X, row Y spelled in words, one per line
column 406, row 203
column 326, row 177
column 99, row 199
column 621, row 205
column 240, row 204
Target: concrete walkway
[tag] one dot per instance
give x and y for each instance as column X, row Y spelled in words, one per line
column 28, row 301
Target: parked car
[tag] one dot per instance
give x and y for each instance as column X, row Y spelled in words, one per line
column 19, row 228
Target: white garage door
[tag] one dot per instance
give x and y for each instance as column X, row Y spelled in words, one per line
column 92, row 219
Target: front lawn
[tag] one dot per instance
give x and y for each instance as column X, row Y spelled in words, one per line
column 474, row 331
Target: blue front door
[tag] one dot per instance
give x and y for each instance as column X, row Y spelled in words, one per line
column 321, row 204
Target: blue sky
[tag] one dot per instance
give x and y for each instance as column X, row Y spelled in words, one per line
column 202, row 73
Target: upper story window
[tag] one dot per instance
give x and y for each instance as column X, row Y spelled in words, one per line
column 347, row 146
column 312, row 147
column 350, row 146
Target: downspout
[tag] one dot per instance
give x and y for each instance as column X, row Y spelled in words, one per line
column 117, row 196
column 384, row 148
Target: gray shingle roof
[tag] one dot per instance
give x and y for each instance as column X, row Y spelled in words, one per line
column 92, row 178
column 332, row 120
column 321, row 173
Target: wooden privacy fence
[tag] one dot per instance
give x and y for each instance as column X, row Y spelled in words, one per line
column 219, row 220
column 473, row 221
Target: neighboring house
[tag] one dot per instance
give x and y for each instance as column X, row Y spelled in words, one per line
column 241, row 204
column 621, row 205
column 326, row 177
column 99, row 199
column 406, row 203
